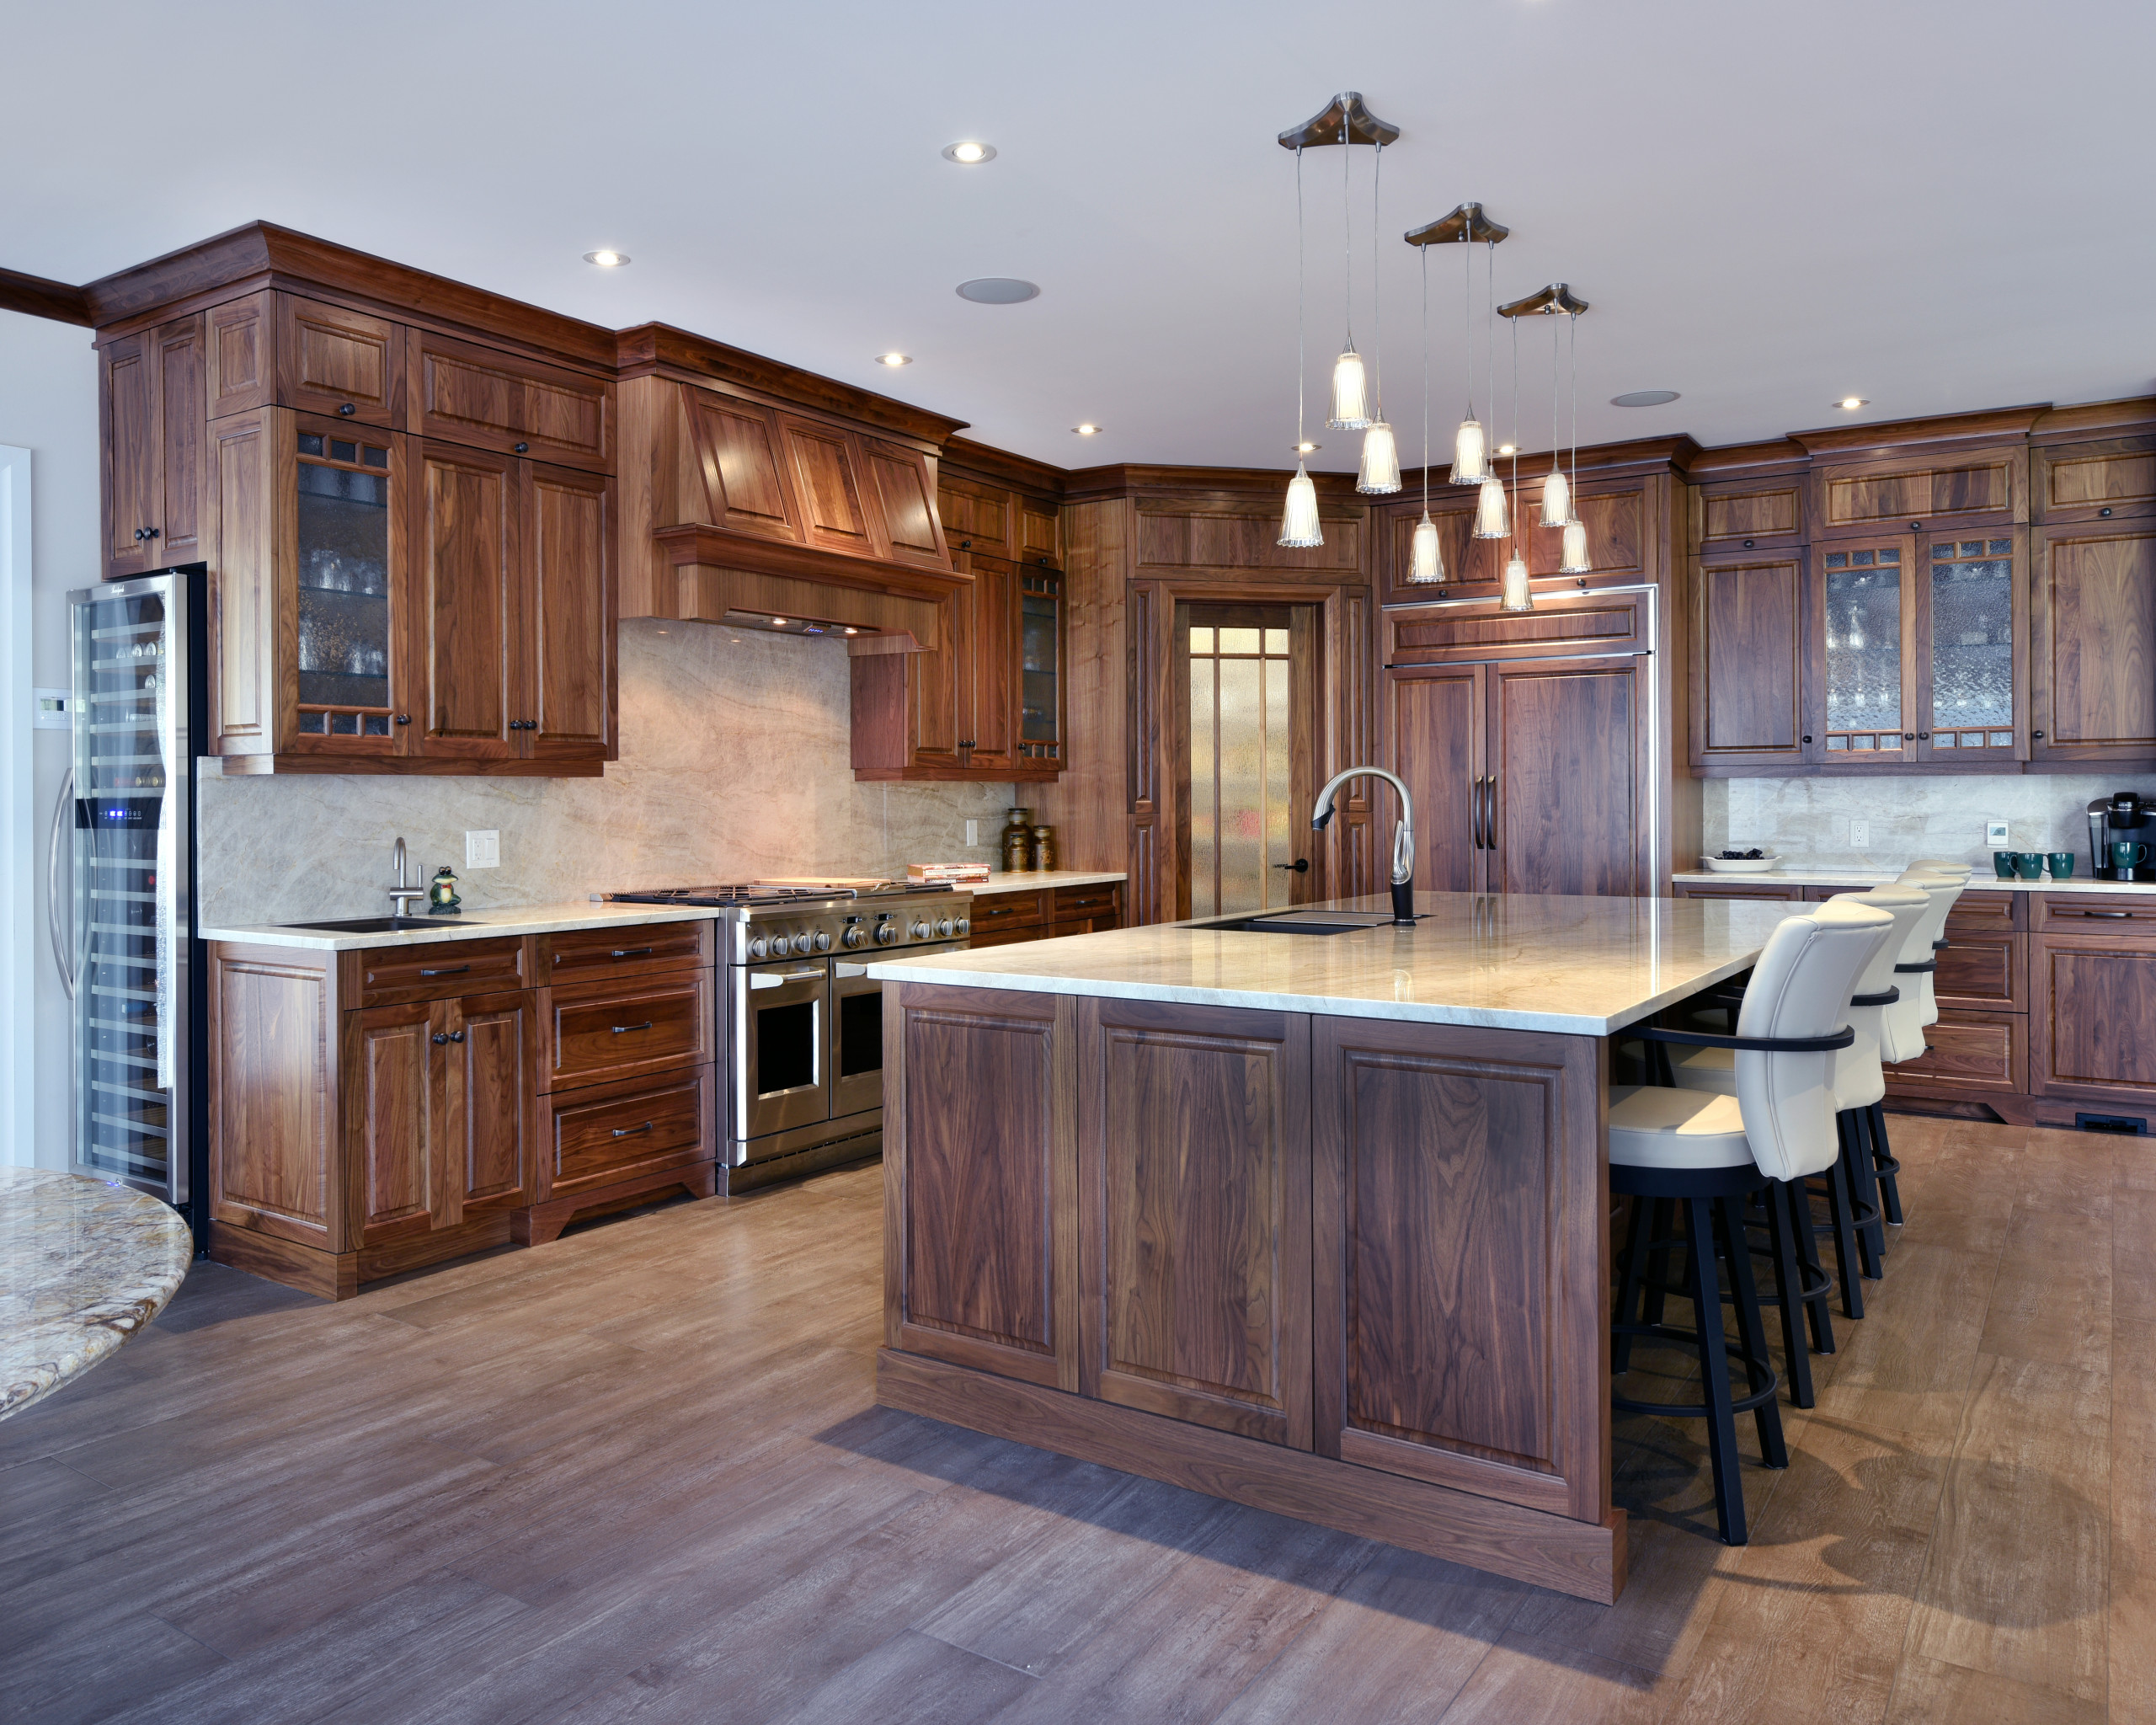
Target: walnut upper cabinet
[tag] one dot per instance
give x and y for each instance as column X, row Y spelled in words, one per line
column 150, row 395
column 282, row 349
column 1750, row 667
column 483, row 398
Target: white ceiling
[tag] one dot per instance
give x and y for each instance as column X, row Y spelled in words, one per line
column 1940, row 207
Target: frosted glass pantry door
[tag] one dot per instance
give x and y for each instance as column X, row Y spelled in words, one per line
column 1244, row 835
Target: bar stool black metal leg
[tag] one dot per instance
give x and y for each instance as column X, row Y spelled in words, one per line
column 1789, row 1285
column 1714, row 1370
column 1662, row 1223
column 1885, row 1165
column 1797, row 1202
column 1759, row 1364
column 1637, row 1235
column 1864, row 1192
column 1841, row 1208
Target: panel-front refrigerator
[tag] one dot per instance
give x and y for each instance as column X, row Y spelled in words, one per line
column 122, row 884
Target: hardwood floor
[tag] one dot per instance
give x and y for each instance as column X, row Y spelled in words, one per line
column 635, row 1476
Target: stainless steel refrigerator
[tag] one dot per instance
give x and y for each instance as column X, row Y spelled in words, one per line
column 122, row 884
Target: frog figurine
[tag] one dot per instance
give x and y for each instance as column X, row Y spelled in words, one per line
column 442, row 894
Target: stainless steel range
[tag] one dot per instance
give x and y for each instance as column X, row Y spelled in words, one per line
column 800, row 1021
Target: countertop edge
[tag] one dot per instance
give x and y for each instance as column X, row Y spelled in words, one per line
column 476, row 925
column 1857, row 880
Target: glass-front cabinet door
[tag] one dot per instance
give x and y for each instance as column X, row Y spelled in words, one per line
column 1868, row 595
column 348, row 569
column 1969, row 713
column 1040, row 664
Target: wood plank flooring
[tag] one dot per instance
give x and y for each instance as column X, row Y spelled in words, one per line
column 637, row 1476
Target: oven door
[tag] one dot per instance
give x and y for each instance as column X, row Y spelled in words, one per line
column 856, row 1038
column 781, row 1046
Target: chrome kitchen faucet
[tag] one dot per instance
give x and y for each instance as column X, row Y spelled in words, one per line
column 1403, row 836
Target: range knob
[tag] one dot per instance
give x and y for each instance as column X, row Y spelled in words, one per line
column 854, row 935
column 920, row 929
column 758, row 946
column 804, row 944
column 886, row 932
column 943, row 928
column 964, row 924
column 823, row 940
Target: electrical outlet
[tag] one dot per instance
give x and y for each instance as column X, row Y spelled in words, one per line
column 1859, row 835
column 1995, row 838
column 482, row 850
column 973, row 832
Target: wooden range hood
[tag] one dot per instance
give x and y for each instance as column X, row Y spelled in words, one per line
column 751, row 490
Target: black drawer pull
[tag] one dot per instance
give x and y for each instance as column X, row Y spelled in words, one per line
column 631, row 1131
column 2107, row 913
column 452, row 971
column 630, row 951
column 624, row 1029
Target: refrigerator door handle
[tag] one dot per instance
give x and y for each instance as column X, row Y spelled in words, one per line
column 169, row 936
column 59, row 928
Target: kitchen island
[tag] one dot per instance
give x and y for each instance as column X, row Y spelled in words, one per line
column 1315, row 1222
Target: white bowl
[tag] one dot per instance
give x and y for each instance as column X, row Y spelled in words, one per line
column 1740, row 865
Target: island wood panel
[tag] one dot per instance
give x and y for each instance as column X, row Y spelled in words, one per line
column 2092, row 647
column 1569, row 766
column 273, row 1066
column 1748, row 631
column 2091, row 1000
column 1436, row 717
column 981, row 1238
column 1459, row 1227
column 1194, row 1236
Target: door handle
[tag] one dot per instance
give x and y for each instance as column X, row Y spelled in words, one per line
column 2108, row 913
column 1474, row 810
column 452, row 971
column 850, row 969
column 624, row 1029
column 629, row 952
column 758, row 979
column 1301, row 865
column 631, row 1131
column 1490, row 813
column 60, row 928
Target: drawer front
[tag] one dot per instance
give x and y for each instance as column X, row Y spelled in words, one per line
column 2090, row 1001
column 389, row 975
column 1971, row 1051
column 1700, row 889
column 613, row 1131
column 1987, row 972
column 2095, row 913
column 1095, row 904
column 485, row 400
column 1006, row 937
column 638, row 949
column 333, row 360
column 610, row 1029
column 998, row 911
column 1982, row 912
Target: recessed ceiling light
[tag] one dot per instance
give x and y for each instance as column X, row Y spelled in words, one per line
column 894, row 359
column 1506, row 448
column 1643, row 399
column 969, row 151
column 1087, row 430
column 1308, row 448
column 1852, row 402
column 606, row 260
column 997, row 290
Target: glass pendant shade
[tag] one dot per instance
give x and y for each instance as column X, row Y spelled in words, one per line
column 1351, row 400
column 1298, row 525
column 1490, row 519
column 1425, row 562
column 1518, row 594
column 1557, row 501
column 1574, row 561
column 1471, row 454
column 1380, row 470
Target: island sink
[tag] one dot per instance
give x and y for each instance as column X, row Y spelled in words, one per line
column 1301, row 922
column 373, row 925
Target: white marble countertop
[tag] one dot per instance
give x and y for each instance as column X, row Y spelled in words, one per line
column 471, row 925
column 1583, row 966
column 1828, row 875
column 83, row 1267
column 1037, row 880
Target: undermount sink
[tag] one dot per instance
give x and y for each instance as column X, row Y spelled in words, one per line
column 1302, row 922
column 371, row 925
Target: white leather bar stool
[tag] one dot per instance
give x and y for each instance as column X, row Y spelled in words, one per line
column 1708, row 1152
column 1921, row 958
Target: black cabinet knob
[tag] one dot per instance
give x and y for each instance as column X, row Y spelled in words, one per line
column 1747, row 544
column 349, row 409
column 1911, row 736
column 2105, row 511
column 523, row 448
column 1807, row 739
column 438, row 1038
column 403, row 718
column 457, row 1036
column 1924, row 736
column 2036, row 734
column 1916, row 526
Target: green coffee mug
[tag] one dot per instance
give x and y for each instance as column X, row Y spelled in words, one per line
column 2029, row 864
column 2002, row 864
column 2128, row 855
column 2062, row 864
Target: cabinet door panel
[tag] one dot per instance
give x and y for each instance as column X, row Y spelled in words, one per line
column 615, row 1131
column 980, row 514
column 1567, row 755
column 902, row 494
column 569, row 545
column 989, row 705
column 1748, row 651
column 128, row 406
column 274, row 1067
column 1436, row 722
column 181, row 411
column 739, row 446
column 1982, row 972
column 2092, row 481
column 395, row 1104
column 610, row 1029
column 1736, row 517
column 469, row 614
column 330, row 359
column 1193, row 1158
column 238, row 353
column 1978, row 1052
column 2093, row 645
column 826, row 471
column 491, row 1090
column 486, row 399
column 1863, row 697
column 2091, row 1000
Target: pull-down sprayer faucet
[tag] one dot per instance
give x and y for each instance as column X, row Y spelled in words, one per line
column 1403, row 836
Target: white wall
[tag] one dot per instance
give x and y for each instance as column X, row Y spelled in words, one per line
column 49, row 405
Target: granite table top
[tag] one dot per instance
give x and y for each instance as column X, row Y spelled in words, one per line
column 83, row 1267
column 1582, row 966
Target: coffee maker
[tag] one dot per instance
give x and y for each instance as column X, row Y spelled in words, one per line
column 2123, row 814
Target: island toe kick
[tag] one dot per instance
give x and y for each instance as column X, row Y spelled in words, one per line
column 1348, row 1269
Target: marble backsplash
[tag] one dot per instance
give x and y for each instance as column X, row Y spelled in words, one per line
column 1917, row 816
column 734, row 764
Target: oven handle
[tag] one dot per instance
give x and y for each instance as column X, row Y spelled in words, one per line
column 759, row 978
column 845, row 969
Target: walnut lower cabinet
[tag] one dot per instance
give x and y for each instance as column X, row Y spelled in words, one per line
column 1009, row 915
column 1344, row 1269
column 374, row 1111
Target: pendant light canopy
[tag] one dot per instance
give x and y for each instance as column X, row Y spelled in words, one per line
column 1463, row 227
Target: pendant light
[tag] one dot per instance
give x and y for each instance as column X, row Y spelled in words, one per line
column 1518, row 594
column 1380, row 466
column 1573, row 560
column 1351, row 404
column 1470, row 449
column 1298, row 522
column 1426, row 564
column 1556, row 489
column 1492, row 519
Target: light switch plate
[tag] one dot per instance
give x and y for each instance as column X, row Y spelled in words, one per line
column 973, row 832
column 49, row 712
column 482, row 850
column 1859, row 835
column 1995, row 836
